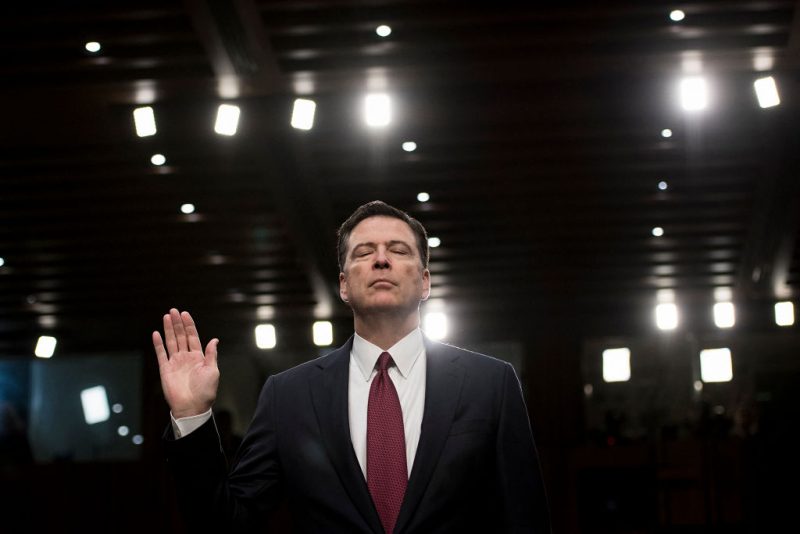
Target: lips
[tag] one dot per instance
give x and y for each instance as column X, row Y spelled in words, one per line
column 382, row 281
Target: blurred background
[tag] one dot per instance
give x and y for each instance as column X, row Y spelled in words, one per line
column 609, row 189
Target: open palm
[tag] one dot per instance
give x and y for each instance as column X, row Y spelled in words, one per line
column 189, row 377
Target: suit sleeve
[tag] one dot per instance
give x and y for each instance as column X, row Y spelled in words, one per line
column 210, row 496
column 521, row 487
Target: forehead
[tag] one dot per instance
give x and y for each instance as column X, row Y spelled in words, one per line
column 380, row 229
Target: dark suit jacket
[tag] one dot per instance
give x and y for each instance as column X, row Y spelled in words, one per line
column 476, row 467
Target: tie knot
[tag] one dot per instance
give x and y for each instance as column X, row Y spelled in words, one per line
column 384, row 361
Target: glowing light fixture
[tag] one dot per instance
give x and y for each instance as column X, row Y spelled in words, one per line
column 784, row 313
column 2, row 262
column 383, row 30
column 158, row 159
column 662, row 185
column 187, row 208
column 436, row 325
column 666, row 133
column 265, row 336
column 724, row 314
column 145, row 121
column 323, row 333
column 423, row 196
column 617, row 365
column 137, row 439
column 409, row 146
column 657, row 231
column 123, row 430
column 116, row 408
column 694, row 93
column 667, row 316
column 303, row 114
column 45, row 347
column 767, row 92
column 227, row 119
column 716, row 365
column 677, row 15
column 434, row 242
column 377, row 109
column 93, row 47
column 95, row 405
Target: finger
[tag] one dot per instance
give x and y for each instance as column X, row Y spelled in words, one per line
column 192, row 337
column 211, row 352
column 161, row 353
column 169, row 335
column 180, row 333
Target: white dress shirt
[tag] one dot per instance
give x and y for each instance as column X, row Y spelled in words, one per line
column 408, row 376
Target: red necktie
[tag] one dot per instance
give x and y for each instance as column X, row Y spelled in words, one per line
column 387, row 474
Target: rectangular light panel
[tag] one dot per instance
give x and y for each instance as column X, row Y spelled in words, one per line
column 784, row 313
column 767, row 92
column 303, row 114
column 694, row 93
column 45, row 347
column 145, row 121
column 724, row 314
column 667, row 316
column 265, row 336
column 323, row 333
column 436, row 325
column 227, row 119
column 716, row 365
column 95, row 405
column 617, row 365
column 377, row 110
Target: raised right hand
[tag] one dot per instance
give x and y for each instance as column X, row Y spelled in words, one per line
column 189, row 378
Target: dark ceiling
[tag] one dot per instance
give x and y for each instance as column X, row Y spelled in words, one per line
column 539, row 141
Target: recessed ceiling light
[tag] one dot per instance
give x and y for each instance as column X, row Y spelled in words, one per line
column 677, row 15
column 45, row 347
column 383, row 30
column 227, row 119
column 409, row 146
column 145, row 121
column 662, row 185
column 423, row 196
column 666, row 132
column 93, row 47
column 767, row 92
column 784, row 313
column 694, row 93
column 658, row 231
column 187, row 208
column 434, row 242
column 158, row 159
column 2, row 262
column 303, row 114
column 377, row 109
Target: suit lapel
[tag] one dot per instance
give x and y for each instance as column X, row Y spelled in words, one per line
column 329, row 386
column 443, row 380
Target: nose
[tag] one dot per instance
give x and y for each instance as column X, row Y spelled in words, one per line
column 381, row 259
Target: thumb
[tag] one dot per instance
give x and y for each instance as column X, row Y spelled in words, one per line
column 211, row 352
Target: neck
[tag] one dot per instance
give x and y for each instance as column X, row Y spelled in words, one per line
column 385, row 330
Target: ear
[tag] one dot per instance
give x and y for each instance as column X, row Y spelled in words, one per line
column 426, row 284
column 342, row 287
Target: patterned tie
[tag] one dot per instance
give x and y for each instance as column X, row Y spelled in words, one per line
column 387, row 474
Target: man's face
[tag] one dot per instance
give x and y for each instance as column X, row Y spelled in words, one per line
column 382, row 270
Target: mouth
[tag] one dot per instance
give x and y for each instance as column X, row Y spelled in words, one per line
column 382, row 282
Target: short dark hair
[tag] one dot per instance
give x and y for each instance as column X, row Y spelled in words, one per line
column 378, row 208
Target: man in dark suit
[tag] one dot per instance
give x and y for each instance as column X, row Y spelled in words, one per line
column 391, row 432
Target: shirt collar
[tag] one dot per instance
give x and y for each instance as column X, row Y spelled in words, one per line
column 404, row 353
